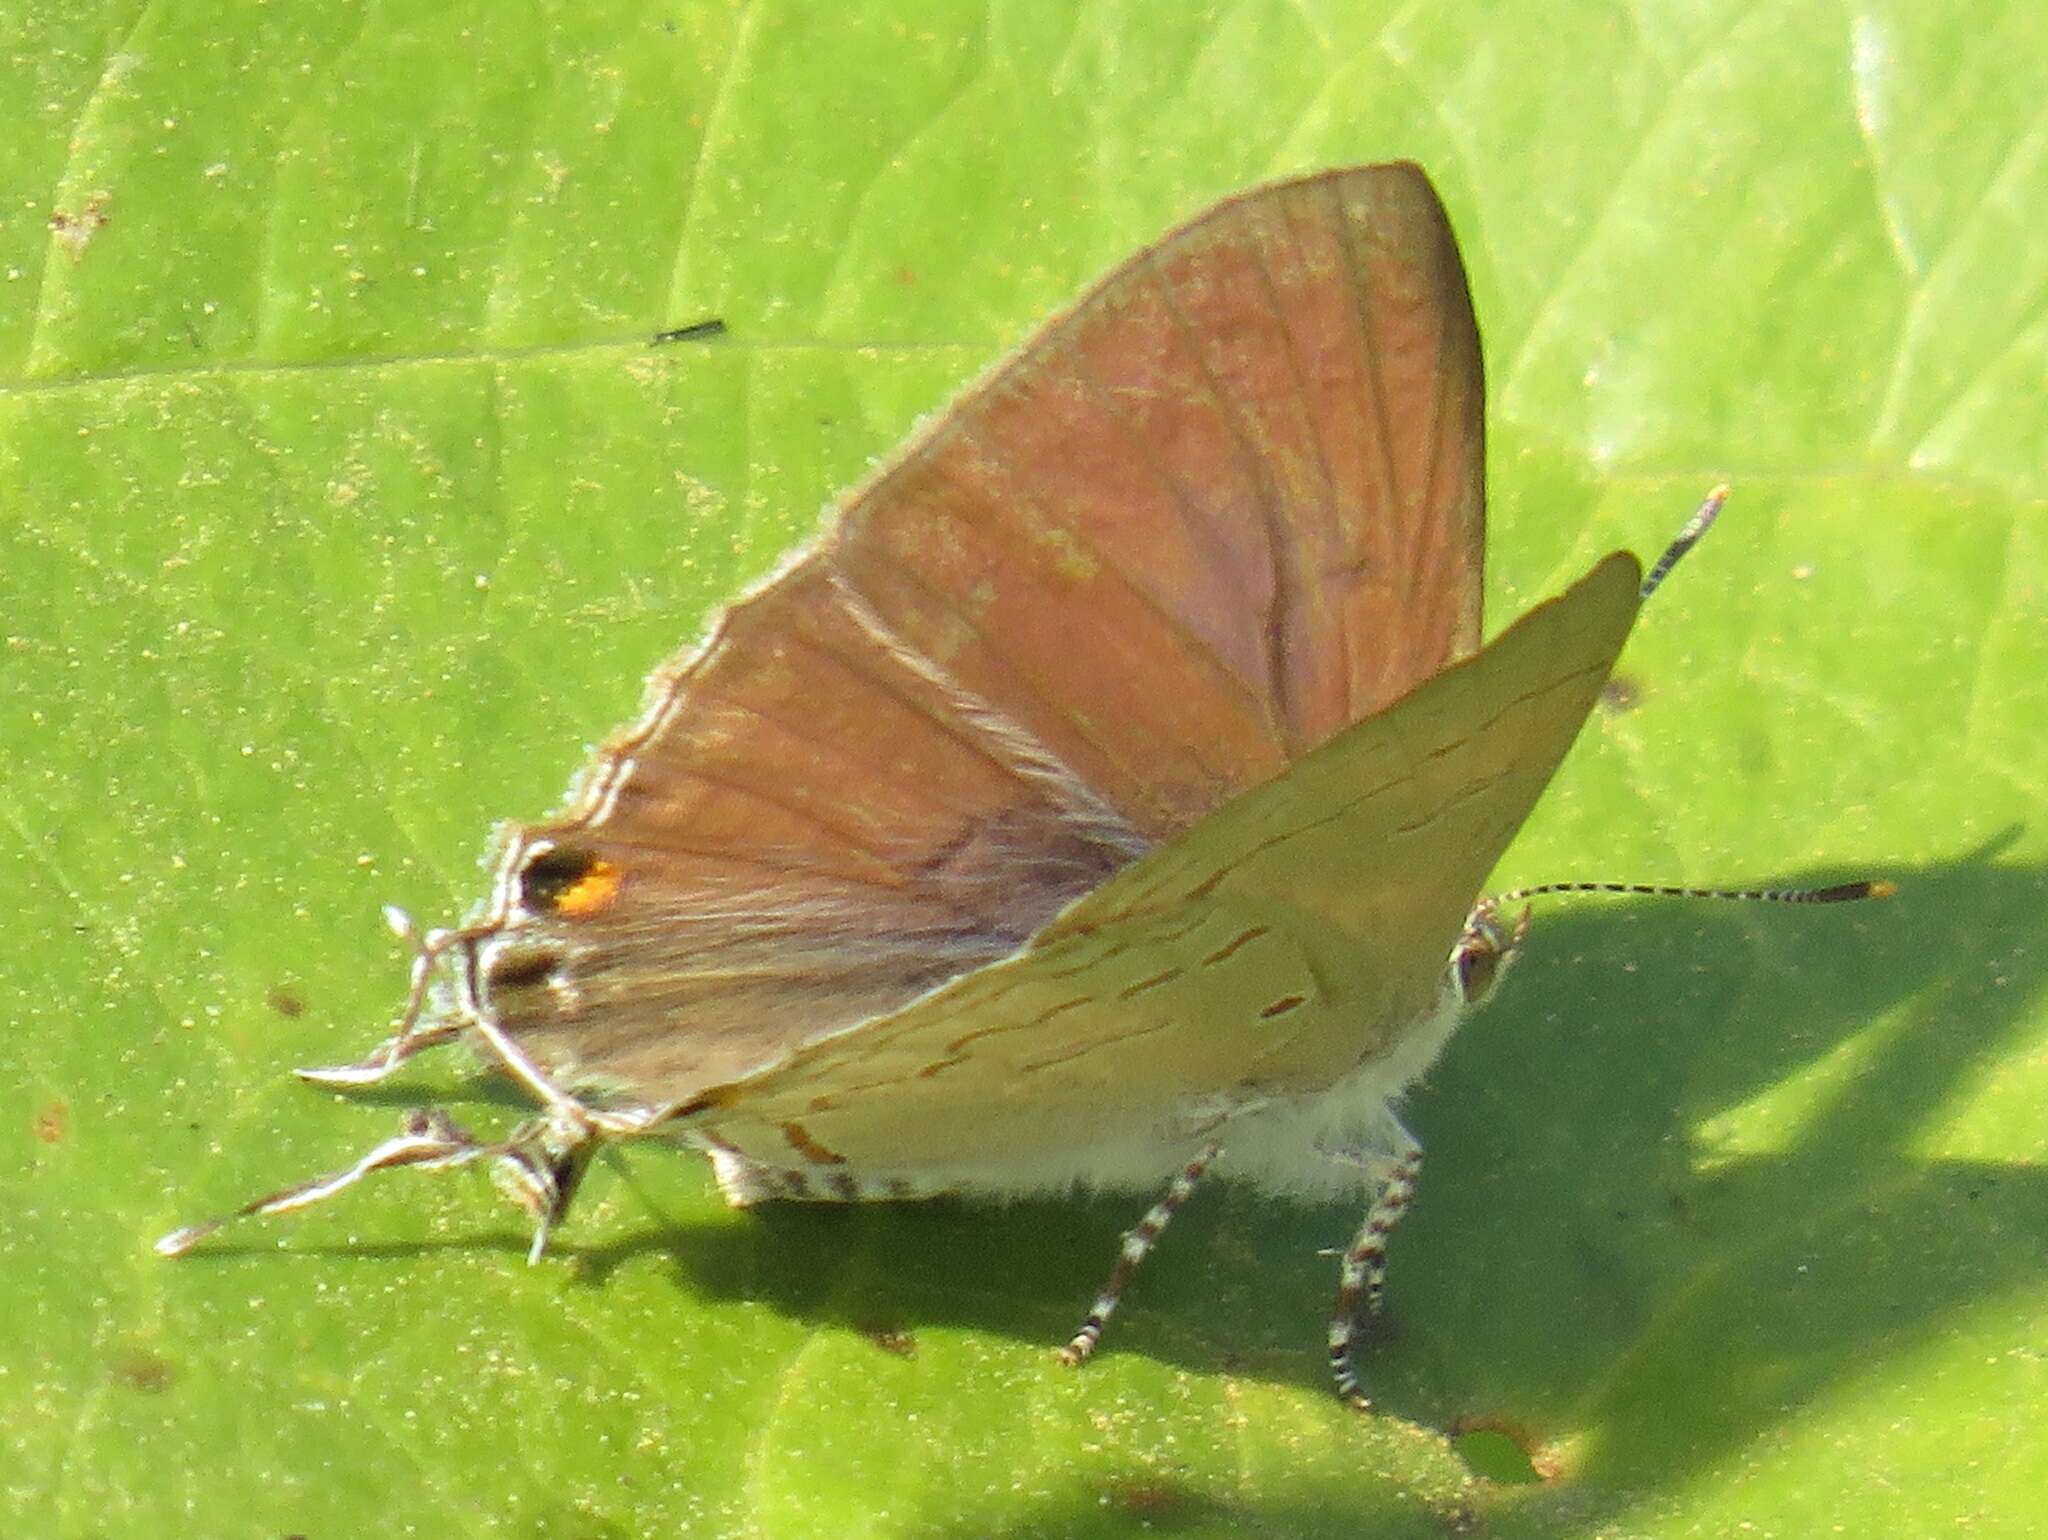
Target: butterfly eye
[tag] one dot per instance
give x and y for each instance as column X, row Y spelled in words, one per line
column 1474, row 967
column 1483, row 953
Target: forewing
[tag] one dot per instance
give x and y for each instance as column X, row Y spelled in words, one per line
column 1289, row 940
column 1228, row 504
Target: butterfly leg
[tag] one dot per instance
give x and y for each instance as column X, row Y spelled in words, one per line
column 1362, row 1277
column 539, row 1167
column 429, row 1138
column 1138, row 1242
column 408, row 1037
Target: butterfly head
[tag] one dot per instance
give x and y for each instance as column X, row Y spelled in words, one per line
column 1483, row 951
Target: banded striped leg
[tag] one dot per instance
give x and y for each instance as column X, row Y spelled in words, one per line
column 1138, row 1241
column 408, row 1037
column 429, row 1138
column 1363, row 1276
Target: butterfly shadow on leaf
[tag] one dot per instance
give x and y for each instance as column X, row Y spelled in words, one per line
column 1678, row 1186
column 1672, row 1193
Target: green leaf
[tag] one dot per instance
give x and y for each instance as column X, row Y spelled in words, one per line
column 345, row 503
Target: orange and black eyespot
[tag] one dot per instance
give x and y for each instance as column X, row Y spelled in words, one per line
column 567, row 881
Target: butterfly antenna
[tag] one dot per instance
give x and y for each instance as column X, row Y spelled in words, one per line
column 1839, row 893
column 1701, row 521
column 1696, row 526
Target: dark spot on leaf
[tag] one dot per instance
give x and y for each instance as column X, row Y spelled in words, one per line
column 890, row 1339
column 1165, row 1506
column 1620, row 694
column 140, row 1369
column 52, row 1121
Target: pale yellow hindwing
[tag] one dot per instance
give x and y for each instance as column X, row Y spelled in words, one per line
column 1296, row 933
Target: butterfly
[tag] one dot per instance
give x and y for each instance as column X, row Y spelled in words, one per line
column 1102, row 797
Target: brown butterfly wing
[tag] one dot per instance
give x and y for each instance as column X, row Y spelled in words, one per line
column 1227, row 505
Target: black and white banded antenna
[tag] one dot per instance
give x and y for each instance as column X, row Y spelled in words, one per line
column 1701, row 521
column 1836, row 893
